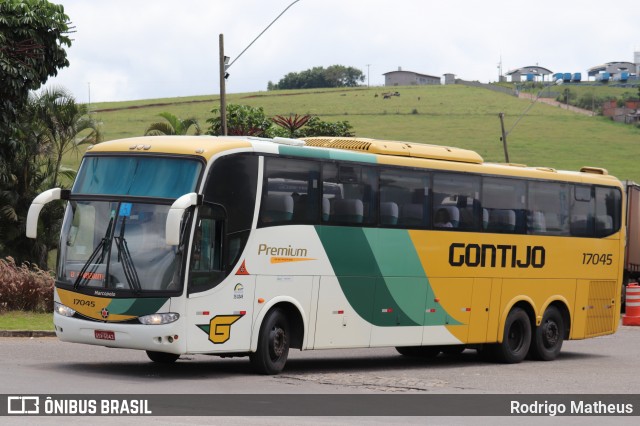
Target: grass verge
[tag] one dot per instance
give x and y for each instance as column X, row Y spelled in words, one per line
column 21, row 320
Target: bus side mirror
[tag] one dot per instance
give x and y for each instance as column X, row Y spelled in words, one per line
column 36, row 206
column 172, row 228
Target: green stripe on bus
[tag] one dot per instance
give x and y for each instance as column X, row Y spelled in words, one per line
column 382, row 277
column 327, row 154
column 136, row 307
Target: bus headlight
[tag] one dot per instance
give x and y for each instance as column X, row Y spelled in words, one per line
column 156, row 319
column 63, row 310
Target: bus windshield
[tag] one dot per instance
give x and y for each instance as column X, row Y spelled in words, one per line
column 118, row 246
column 137, row 175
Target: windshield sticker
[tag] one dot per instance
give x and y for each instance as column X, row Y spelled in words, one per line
column 238, row 291
column 125, row 209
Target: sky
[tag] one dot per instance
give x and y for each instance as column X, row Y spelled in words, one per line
column 148, row 49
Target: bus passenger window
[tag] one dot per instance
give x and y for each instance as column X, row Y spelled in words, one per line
column 290, row 192
column 460, row 195
column 608, row 211
column 352, row 194
column 548, row 205
column 504, row 205
column 404, row 198
column 582, row 211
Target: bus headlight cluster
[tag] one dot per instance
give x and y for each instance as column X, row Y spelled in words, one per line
column 63, row 310
column 156, row 319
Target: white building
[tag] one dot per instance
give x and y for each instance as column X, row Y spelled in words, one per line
column 408, row 78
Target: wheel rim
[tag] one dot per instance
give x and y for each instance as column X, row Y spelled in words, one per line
column 278, row 340
column 551, row 334
column 515, row 337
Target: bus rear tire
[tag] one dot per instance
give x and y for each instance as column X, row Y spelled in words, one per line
column 162, row 357
column 548, row 336
column 516, row 339
column 419, row 351
column 273, row 344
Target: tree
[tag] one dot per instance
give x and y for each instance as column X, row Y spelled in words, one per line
column 317, row 127
column 318, row 77
column 241, row 120
column 172, row 126
column 33, row 34
column 47, row 128
column 66, row 125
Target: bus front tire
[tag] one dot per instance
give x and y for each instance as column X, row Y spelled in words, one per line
column 516, row 339
column 548, row 336
column 273, row 344
column 162, row 357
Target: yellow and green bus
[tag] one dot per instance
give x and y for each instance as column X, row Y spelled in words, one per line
column 242, row 246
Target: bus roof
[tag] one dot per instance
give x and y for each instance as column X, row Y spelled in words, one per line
column 408, row 154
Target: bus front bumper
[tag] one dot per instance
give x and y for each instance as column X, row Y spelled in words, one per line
column 169, row 338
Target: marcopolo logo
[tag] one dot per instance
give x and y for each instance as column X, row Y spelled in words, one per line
column 496, row 256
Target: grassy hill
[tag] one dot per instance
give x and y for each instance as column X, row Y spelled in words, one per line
column 455, row 115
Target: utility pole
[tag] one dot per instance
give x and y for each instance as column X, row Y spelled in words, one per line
column 504, row 137
column 223, row 89
column 225, row 65
column 368, row 65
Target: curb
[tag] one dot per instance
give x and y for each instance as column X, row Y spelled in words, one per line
column 27, row 333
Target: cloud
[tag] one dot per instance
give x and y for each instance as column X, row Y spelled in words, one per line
column 137, row 49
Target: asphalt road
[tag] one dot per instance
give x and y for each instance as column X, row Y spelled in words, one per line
column 604, row 365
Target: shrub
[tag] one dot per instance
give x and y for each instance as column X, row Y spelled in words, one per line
column 316, row 127
column 25, row 287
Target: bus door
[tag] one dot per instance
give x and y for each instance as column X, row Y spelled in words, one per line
column 219, row 309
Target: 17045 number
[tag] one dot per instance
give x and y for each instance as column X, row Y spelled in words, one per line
column 597, row 259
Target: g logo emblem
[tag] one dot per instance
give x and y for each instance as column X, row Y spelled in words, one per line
column 220, row 327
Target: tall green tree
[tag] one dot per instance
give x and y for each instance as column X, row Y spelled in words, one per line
column 67, row 125
column 33, row 35
column 172, row 126
column 49, row 126
column 318, row 77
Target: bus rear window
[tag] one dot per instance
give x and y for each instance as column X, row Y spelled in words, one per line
column 141, row 176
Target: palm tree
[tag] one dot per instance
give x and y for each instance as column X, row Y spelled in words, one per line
column 67, row 126
column 172, row 126
column 47, row 129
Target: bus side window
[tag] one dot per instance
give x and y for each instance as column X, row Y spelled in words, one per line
column 290, row 192
column 608, row 211
column 206, row 264
column 404, row 198
column 548, row 206
column 352, row 193
column 504, row 206
column 461, row 193
column 582, row 211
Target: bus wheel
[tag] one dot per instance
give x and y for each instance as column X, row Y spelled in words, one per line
column 162, row 357
column 273, row 344
column 549, row 335
column 419, row 351
column 516, row 339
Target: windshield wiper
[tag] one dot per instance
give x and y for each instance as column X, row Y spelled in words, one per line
column 124, row 256
column 100, row 249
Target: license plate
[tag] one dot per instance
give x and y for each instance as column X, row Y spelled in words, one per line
column 105, row 335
